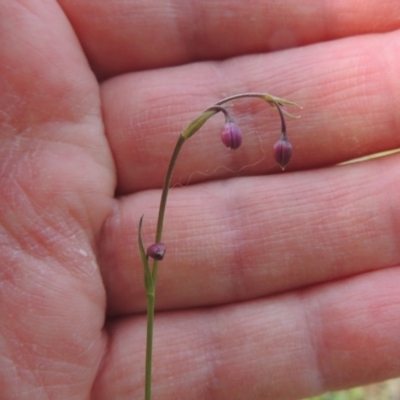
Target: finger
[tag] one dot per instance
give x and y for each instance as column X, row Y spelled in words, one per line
column 247, row 238
column 50, row 114
column 124, row 36
column 285, row 347
column 54, row 192
column 350, row 110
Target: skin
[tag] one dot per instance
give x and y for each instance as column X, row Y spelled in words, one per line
column 275, row 285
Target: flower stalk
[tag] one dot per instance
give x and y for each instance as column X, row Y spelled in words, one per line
column 283, row 149
column 231, row 137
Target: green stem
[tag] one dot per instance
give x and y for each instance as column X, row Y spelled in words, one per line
column 190, row 130
column 149, row 344
column 193, row 127
column 167, row 183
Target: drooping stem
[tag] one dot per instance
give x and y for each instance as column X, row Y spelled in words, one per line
column 191, row 129
column 151, row 274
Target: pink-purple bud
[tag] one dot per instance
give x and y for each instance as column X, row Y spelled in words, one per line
column 156, row 251
column 231, row 136
column 283, row 151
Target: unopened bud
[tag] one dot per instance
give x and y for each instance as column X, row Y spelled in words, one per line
column 283, row 151
column 231, row 136
column 156, row 251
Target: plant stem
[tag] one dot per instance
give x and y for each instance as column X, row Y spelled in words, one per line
column 151, row 294
column 167, row 183
column 151, row 276
column 149, row 344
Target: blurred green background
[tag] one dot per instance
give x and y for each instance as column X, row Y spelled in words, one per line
column 388, row 390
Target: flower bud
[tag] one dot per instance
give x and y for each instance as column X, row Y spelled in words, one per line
column 156, row 251
column 283, row 151
column 231, row 136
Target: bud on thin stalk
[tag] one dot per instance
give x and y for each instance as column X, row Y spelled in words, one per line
column 231, row 136
column 283, row 150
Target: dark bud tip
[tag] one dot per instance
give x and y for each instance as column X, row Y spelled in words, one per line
column 231, row 136
column 283, row 152
column 156, row 251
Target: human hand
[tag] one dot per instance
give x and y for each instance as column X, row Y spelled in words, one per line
column 275, row 285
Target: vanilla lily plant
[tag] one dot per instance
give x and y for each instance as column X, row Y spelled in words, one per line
column 231, row 137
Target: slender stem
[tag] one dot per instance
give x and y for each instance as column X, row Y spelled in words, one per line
column 241, row 96
column 151, row 296
column 167, row 183
column 149, row 344
column 283, row 123
column 190, row 130
column 228, row 117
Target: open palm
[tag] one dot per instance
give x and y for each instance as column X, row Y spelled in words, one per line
column 275, row 286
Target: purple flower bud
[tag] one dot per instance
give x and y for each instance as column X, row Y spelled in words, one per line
column 156, row 251
column 283, row 151
column 231, row 136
